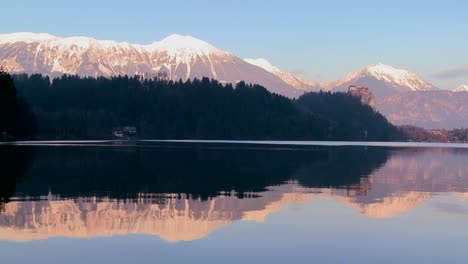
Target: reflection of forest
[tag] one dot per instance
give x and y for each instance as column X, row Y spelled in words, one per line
column 14, row 163
column 195, row 170
column 409, row 177
column 187, row 193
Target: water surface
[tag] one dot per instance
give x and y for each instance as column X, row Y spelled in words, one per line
column 212, row 202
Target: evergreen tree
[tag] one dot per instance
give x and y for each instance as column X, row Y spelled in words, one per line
column 8, row 107
column 72, row 107
column 16, row 121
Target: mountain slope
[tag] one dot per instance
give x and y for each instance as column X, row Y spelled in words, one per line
column 287, row 77
column 176, row 57
column 461, row 88
column 184, row 57
column 383, row 80
column 407, row 99
column 180, row 57
column 429, row 109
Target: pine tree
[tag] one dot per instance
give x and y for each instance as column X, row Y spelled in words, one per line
column 16, row 121
column 8, row 105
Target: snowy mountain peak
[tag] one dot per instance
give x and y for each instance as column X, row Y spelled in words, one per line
column 175, row 57
column 391, row 75
column 175, row 44
column 264, row 64
column 381, row 69
column 461, row 88
column 27, row 37
column 64, row 42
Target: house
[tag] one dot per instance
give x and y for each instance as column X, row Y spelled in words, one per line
column 125, row 132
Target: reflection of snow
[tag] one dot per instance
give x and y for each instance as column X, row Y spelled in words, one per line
column 173, row 219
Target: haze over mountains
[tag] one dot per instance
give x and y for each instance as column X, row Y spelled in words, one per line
column 185, row 57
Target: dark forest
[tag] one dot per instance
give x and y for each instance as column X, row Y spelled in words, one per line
column 72, row 107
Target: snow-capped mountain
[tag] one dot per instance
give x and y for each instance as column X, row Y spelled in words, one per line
column 461, row 88
column 383, row 80
column 296, row 82
column 180, row 57
column 177, row 57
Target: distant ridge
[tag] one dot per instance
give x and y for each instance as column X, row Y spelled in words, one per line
column 381, row 78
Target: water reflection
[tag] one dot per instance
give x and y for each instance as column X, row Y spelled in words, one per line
column 173, row 217
column 14, row 162
column 409, row 177
column 185, row 192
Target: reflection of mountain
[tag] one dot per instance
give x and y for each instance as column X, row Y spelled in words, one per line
column 190, row 192
column 388, row 206
column 196, row 175
column 407, row 178
column 172, row 218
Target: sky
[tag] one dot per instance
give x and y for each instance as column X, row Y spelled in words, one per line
column 318, row 40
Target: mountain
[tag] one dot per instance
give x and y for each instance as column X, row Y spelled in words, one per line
column 180, row 57
column 296, row 82
column 176, row 57
column 383, row 80
column 407, row 99
column 185, row 57
column 429, row 109
column 461, row 88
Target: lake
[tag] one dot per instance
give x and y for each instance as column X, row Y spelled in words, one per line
column 233, row 202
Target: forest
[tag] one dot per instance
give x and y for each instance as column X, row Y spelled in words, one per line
column 16, row 119
column 418, row 134
column 72, row 107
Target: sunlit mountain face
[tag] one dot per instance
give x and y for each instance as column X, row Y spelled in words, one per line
column 185, row 192
column 402, row 95
column 175, row 57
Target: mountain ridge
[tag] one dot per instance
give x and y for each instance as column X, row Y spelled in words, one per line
column 394, row 79
column 289, row 78
column 176, row 57
column 185, row 57
column 181, row 57
column 461, row 88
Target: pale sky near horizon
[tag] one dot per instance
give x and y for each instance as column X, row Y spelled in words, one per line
column 318, row 40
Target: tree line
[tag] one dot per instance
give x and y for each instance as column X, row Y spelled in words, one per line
column 72, row 107
column 419, row 134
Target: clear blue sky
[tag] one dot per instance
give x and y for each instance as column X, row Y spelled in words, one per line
column 320, row 40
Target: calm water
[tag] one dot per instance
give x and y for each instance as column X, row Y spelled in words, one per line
column 225, row 202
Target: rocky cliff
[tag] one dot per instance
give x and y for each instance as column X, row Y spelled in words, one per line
column 364, row 94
